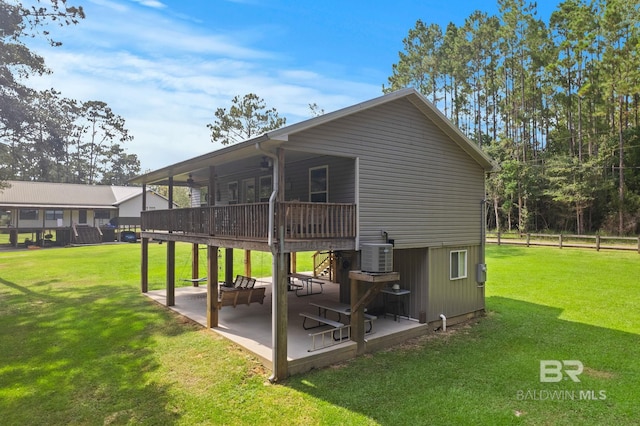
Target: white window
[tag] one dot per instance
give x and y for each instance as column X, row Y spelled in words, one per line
column 458, row 264
column 53, row 214
column 319, row 184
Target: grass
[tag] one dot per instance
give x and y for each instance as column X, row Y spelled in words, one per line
column 80, row 345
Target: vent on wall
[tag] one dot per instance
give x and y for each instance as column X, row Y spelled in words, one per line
column 377, row 258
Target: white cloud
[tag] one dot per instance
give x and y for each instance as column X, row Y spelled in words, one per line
column 151, row 3
column 166, row 78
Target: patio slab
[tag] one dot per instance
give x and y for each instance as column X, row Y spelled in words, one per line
column 250, row 326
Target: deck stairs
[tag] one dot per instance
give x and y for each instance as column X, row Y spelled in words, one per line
column 86, row 235
column 323, row 265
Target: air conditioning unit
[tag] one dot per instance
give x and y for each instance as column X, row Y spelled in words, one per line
column 377, row 258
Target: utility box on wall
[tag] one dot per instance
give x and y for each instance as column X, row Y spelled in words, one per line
column 481, row 273
column 377, row 258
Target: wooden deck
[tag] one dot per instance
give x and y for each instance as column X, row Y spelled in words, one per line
column 305, row 226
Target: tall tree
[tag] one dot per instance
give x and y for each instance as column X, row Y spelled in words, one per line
column 17, row 61
column 246, row 118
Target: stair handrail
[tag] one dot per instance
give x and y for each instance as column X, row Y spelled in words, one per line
column 324, row 263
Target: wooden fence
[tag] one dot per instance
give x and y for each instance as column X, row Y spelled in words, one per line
column 597, row 242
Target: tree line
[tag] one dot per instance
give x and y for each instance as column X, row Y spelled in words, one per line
column 556, row 104
column 43, row 135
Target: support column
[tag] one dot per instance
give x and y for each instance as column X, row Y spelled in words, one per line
column 364, row 288
column 195, row 264
column 171, row 273
column 144, row 266
column 171, row 256
column 247, row 263
column 212, row 287
column 228, row 266
column 279, row 317
column 280, row 268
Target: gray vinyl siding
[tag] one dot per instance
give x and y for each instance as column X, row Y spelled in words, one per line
column 415, row 183
column 413, row 267
column 341, row 178
column 452, row 297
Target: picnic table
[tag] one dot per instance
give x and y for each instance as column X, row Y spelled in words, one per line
column 340, row 309
column 305, row 285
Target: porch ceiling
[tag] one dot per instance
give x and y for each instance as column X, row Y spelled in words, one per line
column 198, row 169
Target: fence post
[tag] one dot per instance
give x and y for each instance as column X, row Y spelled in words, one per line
column 597, row 242
column 638, row 244
column 528, row 238
column 560, row 240
column 499, row 240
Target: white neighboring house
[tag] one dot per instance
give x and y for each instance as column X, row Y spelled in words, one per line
column 73, row 213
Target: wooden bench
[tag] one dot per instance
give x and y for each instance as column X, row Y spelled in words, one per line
column 241, row 296
column 320, row 320
column 241, row 282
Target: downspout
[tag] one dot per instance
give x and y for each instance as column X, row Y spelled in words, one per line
column 274, row 193
column 444, row 322
column 481, row 271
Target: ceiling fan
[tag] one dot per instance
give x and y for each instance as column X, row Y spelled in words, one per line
column 266, row 164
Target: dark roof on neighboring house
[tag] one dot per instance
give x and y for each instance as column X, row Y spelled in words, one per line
column 65, row 195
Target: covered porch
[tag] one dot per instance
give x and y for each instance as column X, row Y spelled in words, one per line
column 250, row 326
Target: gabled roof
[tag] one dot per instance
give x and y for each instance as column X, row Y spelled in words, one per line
column 65, row 195
column 280, row 136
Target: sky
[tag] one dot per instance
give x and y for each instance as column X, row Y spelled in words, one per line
column 165, row 66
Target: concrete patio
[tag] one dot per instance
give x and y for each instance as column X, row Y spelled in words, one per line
column 250, row 326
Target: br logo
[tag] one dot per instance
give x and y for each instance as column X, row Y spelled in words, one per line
column 552, row 370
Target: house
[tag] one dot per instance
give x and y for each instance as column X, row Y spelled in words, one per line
column 74, row 213
column 391, row 170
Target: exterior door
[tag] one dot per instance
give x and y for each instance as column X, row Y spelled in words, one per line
column 82, row 217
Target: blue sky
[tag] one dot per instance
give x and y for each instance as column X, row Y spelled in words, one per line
column 166, row 65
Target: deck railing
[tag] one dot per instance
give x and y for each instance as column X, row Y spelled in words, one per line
column 251, row 221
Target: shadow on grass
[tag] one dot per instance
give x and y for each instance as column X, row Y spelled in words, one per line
column 486, row 373
column 495, row 251
column 79, row 355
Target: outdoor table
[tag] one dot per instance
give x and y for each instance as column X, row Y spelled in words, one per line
column 306, row 288
column 340, row 309
column 397, row 302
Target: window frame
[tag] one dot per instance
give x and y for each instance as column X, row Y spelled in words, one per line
column 24, row 214
column 265, row 188
column 102, row 214
column 232, row 188
column 326, row 185
column 459, row 275
column 53, row 214
column 248, row 188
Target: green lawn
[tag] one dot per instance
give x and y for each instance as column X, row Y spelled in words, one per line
column 80, row 345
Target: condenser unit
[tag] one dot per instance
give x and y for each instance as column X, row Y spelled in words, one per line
column 377, row 258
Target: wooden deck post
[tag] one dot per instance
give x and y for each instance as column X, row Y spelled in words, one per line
column 195, row 264
column 171, row 273
column 171, row 256
column 228, row 266
column 247, row 263
column 212, row 287
column 279, row 305
column 364, row 288
column 144, row 266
